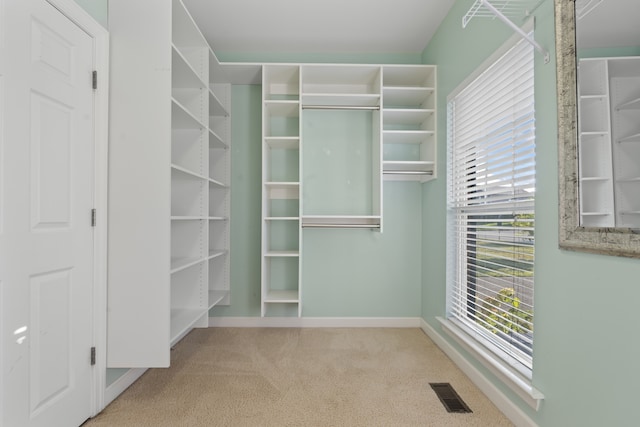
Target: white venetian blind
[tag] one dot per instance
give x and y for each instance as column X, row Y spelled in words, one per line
column 491, row 192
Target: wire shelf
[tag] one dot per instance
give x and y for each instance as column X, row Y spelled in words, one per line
column 509, row 8
column 505, row 10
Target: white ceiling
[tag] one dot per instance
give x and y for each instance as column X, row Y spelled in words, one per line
column 318, row 26
column 611, row 23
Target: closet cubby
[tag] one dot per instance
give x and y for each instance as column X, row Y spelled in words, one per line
column 340, row 85
column 281, row 280
column 408, row 134
column 609, row 141
column 281, row 146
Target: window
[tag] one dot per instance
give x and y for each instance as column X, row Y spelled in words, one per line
column 490, row 206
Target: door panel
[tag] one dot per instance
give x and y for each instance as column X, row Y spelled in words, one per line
column 46, row 244
column 51, row 125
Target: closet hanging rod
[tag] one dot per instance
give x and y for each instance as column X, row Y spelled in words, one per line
column 321, row 225
column 340, row 107
column 514, row 27
column 407, row 173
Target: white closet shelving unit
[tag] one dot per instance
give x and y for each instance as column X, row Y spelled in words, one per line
column 609, row 141
column 409, row 122
column 324, row 127
column 169, row 263
column 281, row 234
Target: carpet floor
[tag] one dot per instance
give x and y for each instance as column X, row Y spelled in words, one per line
column 300, row 377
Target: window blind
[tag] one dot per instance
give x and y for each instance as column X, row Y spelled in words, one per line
column 490, row 206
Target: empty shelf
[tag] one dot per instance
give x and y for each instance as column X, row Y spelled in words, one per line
column 275, row 296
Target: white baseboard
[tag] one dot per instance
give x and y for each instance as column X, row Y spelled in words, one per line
column 508, row 408
column 121, row 384
column 315, row 322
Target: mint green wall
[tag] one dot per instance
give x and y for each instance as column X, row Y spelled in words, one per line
column 361, row 273
column 586, row 338
column 97, row 9
column 246, row 176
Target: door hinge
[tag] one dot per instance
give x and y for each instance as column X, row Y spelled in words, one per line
column 94, row 79
column 93, row 356
column 93, row 217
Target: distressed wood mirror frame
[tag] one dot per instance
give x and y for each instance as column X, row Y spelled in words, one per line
column 610, row 241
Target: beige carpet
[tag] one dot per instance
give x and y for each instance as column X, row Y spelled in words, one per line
column 300, row 377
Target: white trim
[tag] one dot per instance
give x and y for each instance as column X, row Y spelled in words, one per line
column 315, row 322
column 100, row 36
column 121, row 384
column 506, row 405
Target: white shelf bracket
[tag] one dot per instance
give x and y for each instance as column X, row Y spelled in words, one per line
column 475, row 10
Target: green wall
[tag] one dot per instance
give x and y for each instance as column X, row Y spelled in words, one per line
column 586, row 338
column 97, row 9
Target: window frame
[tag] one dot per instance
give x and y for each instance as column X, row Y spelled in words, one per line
column 521, row 367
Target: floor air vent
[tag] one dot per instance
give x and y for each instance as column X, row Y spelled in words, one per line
column 449, row 398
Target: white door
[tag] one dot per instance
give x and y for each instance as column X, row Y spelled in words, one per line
column 46, row 198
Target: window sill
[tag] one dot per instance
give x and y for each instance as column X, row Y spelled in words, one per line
column 515, row 380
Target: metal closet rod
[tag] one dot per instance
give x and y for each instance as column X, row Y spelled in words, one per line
column 390, row 172
column 321, row 225
column 339, row 107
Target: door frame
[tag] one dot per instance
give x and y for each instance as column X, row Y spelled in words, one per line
column 76, row 14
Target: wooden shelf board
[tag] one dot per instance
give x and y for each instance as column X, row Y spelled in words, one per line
column 215, row 253
column 181, row 118
column 182, row 263
column 215, row 297
column 183, row 74
column 340, row 100
column 594, row 179
column 277, row 296
column 187, row 218
column 630, row 138
column 402, row 96
column 282, row 108
column 406, row 116
column 282, row 190
column 595, row 213
column 216, row 141
column 407, row 166
column 634, row 104
column 278, row 254
column 406, row 136
column 216, row 108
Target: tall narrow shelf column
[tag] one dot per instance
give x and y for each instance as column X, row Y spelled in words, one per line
column 281, row 234
column 594, row 145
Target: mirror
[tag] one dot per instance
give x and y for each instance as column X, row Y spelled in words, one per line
column 596, row 194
